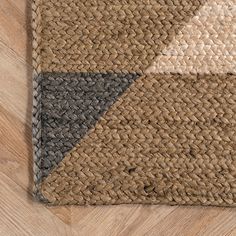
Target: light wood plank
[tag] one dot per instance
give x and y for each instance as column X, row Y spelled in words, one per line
column 232, row 232
column 15, row 84
column 195, row 221
column 16, row 157
column 24, row 217
column 118, row 220
column 14, row 16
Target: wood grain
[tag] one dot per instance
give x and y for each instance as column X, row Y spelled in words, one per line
column 20, row 214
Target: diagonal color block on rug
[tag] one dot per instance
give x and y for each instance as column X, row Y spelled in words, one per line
column 134, row 101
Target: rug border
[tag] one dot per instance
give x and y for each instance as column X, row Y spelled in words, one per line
column 36, row 107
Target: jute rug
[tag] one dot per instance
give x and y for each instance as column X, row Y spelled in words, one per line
column 135, row 101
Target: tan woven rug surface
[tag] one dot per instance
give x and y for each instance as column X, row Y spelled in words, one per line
column 134, row 101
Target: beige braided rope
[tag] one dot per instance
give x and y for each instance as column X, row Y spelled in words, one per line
column 131, row 33
column 36, row 109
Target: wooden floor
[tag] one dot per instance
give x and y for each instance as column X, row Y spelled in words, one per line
column 19, row 214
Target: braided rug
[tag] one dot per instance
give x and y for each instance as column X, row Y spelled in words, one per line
column 134, row 101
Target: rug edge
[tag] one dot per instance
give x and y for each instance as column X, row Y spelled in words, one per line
column 36, row 106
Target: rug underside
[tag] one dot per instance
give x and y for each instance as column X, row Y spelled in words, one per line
column 134, row 102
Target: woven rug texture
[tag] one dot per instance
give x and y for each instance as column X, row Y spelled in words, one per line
column 134, row 102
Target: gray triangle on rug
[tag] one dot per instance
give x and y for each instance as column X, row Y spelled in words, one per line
column 71, row 104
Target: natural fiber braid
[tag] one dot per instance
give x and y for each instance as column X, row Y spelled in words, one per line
column 71, row 111
column 112, row 36
column 205, row 45
column 165, row 137
column 36, row 40
column 36, row 109
column 168, row 139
